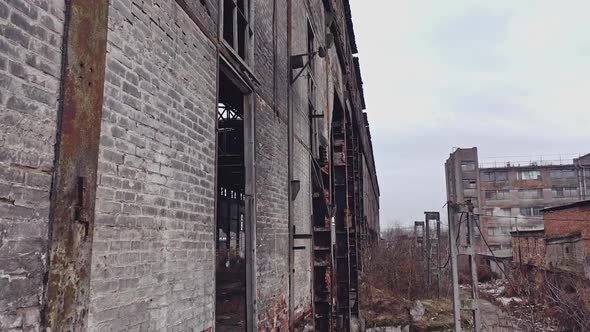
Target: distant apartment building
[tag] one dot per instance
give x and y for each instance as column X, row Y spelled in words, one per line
column 510, row 195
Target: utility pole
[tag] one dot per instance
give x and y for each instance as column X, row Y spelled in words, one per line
column 454, row 271
column 419, row 234
column 427, row 248
column 471, row 304
column 428, row 217
column 438, row 250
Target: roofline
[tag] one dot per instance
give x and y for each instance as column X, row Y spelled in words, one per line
column 567, row 206
column 526, row 167
column 527, row 231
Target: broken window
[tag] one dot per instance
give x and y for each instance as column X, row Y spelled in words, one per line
column 492, row 231
column 467, row 166
column 502, row 212
column 534, row 211
column 530, row 193
column 494, row 176
column 497, row 212
column 562, row 173
column 564, row 192
column 469, row 184
column 529, row 175
column 237, row 31
column 497, row 194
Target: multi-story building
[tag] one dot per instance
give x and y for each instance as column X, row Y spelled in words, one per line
column 509, row 195
column 182, row 165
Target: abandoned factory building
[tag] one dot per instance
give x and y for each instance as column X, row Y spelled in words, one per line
column 182, row 165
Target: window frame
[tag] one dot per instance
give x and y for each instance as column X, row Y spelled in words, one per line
column 531, row 211
column 496, row 197
column 520, row 176
column 247, row 15
column 522, row 195
column 492, row 176
column 472, row 167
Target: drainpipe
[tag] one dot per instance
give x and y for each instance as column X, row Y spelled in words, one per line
column 290, row 166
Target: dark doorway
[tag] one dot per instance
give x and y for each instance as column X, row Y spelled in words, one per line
column 230, row 286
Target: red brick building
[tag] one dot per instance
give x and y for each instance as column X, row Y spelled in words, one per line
column 567, row 237
column 563, row 244
column 528, row 246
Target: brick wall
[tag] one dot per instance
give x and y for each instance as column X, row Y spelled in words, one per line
column 529, row 248
column 31, row 34
column 153, row 251
column 564, row 222
column 271, row 219
column 566, row 254
column 153, row 255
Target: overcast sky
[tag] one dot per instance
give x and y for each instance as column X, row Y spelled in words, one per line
column 510, row 77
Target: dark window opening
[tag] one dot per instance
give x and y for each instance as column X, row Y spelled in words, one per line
column 230, row 302
column 311, row 93
column 237, row 31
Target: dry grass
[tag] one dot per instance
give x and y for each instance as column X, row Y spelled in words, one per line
column 394, row 278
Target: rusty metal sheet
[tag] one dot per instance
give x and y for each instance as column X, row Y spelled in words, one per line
column 74, row 186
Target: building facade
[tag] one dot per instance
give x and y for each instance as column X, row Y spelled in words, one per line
column 510, row 195
column 182, row 165
column 562, row 245
column 567, row 236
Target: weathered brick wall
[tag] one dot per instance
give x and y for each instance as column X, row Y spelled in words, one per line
column 566, row 254
column 153, row 254
column 271, row 219
column 31, row 34
column 531, row 248
column 567, row 221
column 271, row 179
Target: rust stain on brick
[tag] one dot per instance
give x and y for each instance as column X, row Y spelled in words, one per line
column 276, row 318
column 73, row 196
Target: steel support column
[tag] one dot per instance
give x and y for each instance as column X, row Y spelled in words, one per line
column 74, row 184
column 342, row 222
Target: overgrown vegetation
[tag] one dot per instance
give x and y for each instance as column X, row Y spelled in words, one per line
column 395, row 277
column 559, row 298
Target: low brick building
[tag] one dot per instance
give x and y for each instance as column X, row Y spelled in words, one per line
column 563, row 244
column 182, row 165
column 528, row 246
column 567, row 235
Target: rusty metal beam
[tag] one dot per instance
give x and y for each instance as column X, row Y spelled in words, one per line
column 74, row 184
column 342, row 220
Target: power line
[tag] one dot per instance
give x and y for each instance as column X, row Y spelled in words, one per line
column 495, row 259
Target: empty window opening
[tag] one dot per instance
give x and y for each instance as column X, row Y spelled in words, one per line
column 529, row 175
column 467, row 166
column 531, row 211
column 469, row 184
column 497, row 194
column 562, row 173
column 237, row 31
column 564, row 192
column 494, row 176
column 230, row 302
column 530, row 193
